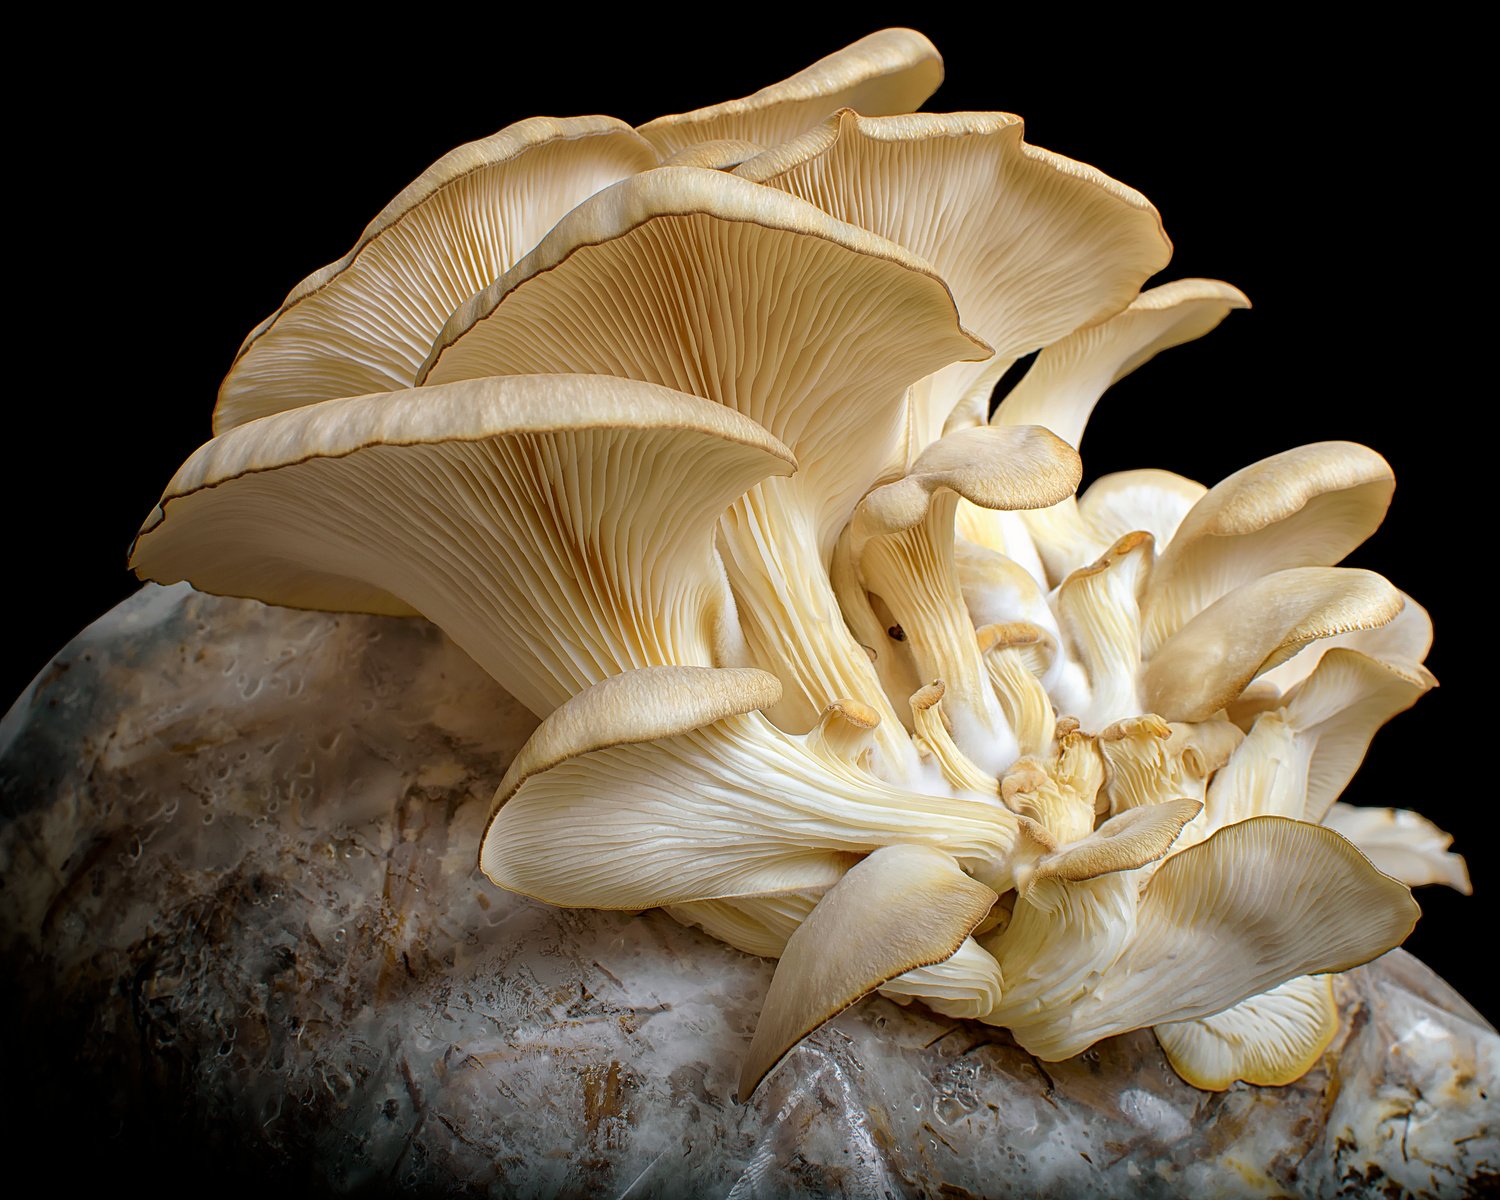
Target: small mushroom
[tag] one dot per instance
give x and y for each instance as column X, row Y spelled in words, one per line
column 902, row 907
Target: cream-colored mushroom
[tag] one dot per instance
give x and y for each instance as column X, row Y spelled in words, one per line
column 730, row 809
column 696, row 466
column 1401, row 644
column 1147, row 500
column 1018, row 655
column 1152, row 762
column 891, row 71
column 901, row 543
column 1098, row 608
column 1403, row 844
column 750, row 297
column 1268, row 1040
column 1208, row 662
column 902, row 907
column 1261, row 902
column 1067, row 379
column 1308, row 507
column 1033, row 245
column 366, row 322
column 558, row 528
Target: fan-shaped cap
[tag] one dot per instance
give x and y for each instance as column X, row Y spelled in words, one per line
column 366, row 323
column 1260, row 902
column 705, row 283
column 1148, row 499
column 1403, row 844
column 1268, row 1040
column 636, row 706
column 1013, row 468
column 1307, row 507
column 1211, row 659
column 902, row 907
column 1032, row 244
column 558, row 528
column 747, row 296
column 1126, row 842
column 1068, row 377
column 891, row 71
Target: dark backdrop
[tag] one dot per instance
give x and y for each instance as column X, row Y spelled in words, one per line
column 170, row 200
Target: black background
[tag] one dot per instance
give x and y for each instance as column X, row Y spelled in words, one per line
column 169, row 199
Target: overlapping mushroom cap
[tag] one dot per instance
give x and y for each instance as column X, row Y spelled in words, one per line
column 683, row 433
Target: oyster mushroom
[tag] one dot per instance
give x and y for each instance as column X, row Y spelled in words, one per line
column 827, row 663
column 366, row 322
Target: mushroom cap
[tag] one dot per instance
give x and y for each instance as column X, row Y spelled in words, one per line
column 900, row 908
column 1212, row 658
column 366, row 322
column 890, row 71
column 558, row 528
column 742, row 294
column 1033, row 244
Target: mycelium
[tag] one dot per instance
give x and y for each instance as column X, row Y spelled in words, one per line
column 683, row 434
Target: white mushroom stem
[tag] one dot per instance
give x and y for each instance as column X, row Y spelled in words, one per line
column 1017, row 655
column 876, row 630
column 935, row 737
column 793, row 625
column 914, row 573
column 1061, row 938
column 1098, row 610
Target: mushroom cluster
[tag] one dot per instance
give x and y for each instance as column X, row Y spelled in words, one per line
column 683, row 432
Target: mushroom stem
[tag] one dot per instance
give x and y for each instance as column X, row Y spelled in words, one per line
column 793, row 625
column 914, row 573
